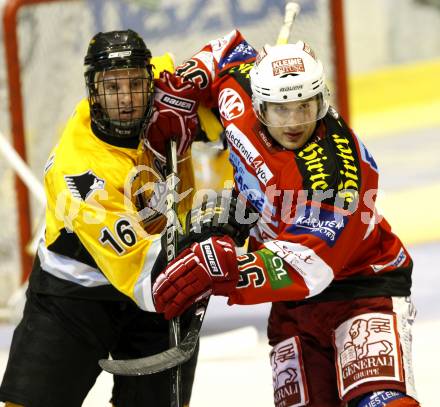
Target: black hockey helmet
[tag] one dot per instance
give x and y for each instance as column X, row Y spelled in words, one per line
column 119, row 81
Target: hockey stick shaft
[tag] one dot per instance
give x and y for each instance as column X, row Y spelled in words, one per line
column 179, row 352
column 171, row 249
column 291, row 11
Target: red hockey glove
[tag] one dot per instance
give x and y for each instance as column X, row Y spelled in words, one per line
column 205, row 268
column 174, row 115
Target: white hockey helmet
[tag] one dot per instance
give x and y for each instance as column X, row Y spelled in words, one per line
column 288, row 73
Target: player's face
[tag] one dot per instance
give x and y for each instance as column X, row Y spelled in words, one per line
column 292, row 123
column 123, row 93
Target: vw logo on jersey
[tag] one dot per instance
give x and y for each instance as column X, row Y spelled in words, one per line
column 231, row 104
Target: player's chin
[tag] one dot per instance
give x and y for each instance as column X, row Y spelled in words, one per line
column 293, row 145
column 128, row 117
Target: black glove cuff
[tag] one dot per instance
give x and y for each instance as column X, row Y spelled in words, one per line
column 224, row 214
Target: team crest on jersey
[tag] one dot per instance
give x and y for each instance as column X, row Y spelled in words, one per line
column 231, row 104
column 83, row 185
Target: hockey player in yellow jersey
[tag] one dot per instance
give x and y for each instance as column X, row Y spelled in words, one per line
column 89, row 287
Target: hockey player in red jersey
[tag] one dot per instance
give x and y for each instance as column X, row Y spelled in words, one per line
column 338, row 277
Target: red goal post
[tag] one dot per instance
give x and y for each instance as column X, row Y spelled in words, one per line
column 307, row 26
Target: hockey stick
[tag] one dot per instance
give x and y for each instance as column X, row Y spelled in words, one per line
column 178, row 352
column 171, row 246
column 290, row 13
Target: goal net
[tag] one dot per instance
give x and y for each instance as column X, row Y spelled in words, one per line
column 52, row 38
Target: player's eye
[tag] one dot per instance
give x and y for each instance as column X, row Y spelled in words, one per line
column 281, row 109
column 110, row 87
column 303, row 106
column 136, row 84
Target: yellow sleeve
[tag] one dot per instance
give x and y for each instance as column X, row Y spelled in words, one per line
column 161, row 63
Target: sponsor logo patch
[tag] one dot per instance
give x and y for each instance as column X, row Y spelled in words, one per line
column 245, row 148
column 319, row 222
column 367, row 351
column 83, row 185
column 381, row 398
column 288, row 378
column 286, row 66
column 276, row 269
column 316, row 272
column 247, row 183
column 398, row 261
column 231, row 104
column 314, row 164
column 332, row 163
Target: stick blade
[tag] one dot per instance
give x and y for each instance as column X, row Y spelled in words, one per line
column 147, row 365
column 165, row 360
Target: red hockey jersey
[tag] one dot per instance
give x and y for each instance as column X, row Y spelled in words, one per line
column 320, row 236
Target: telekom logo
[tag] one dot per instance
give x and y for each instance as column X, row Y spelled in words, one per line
column 231, row 104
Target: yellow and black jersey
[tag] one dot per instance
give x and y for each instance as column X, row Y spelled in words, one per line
column 105, row 207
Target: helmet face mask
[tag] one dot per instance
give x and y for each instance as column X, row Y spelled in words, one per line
column 288, row 86
column 121, row 95
column 292, row 113
column 119, row 82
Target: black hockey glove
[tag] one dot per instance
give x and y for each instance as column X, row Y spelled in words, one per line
column 224, row 214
